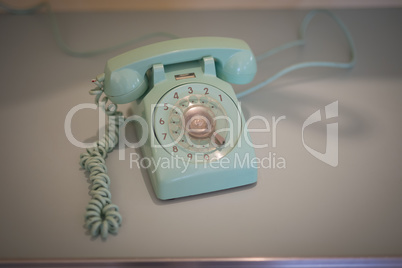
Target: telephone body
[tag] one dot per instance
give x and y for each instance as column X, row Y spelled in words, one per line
column 180, row 87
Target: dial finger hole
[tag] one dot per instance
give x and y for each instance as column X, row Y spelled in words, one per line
column 175, row 119
column 193, row 99
column 203, row 100
column 174, row 128
column 183, row 104
column 176, row 110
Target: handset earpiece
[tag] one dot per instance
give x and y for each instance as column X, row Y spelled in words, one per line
column 125, row 85
column 240, row 68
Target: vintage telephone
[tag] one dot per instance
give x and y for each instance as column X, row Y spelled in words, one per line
column 180, row 88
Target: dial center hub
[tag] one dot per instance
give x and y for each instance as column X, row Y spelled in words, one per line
column 199, row 122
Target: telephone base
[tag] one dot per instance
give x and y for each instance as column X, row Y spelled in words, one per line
column 196, row 137
column 204, row 177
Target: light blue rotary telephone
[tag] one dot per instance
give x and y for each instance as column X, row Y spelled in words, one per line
column 190, row 115
column 180, row 88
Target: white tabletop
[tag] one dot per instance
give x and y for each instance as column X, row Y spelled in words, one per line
column 308, row 209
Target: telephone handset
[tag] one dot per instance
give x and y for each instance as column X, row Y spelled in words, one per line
column 125, row 75
column 194, row 122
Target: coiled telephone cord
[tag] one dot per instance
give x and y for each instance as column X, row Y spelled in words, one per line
column 102, row 216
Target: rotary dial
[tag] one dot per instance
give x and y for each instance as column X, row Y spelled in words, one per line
column 197, row 121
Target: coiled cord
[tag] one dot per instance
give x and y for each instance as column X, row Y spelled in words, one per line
column 102, row 216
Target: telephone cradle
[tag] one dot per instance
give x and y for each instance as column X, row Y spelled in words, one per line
column 191, row 116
